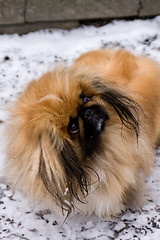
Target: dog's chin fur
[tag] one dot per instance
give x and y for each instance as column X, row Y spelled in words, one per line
column 81, row 139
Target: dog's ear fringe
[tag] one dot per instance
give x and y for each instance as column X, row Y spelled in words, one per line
column 127, row 109
column 77, row 179
column 51, row 184
column 74, row 169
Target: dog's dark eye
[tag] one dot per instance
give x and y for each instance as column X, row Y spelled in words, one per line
column 85, row 98
column 73, row 126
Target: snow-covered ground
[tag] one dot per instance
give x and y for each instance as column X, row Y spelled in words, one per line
column 23, row 58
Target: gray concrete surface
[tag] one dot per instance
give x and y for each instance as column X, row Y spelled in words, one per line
column 149, row 8
column 12, row 11
column 50, row 10
column 30, row 15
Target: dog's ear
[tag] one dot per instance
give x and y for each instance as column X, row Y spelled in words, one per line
column 77, row 177
column 127, row 109
column 52, row 172
column 62, row 173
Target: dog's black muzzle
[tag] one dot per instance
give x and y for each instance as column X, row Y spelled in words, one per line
column 94, row 118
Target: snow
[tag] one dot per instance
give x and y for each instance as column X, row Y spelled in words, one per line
column 25, row 57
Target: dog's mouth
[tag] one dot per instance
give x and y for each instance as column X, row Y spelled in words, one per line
column 94, row 119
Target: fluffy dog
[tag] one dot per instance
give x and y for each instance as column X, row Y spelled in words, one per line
column 82, row 138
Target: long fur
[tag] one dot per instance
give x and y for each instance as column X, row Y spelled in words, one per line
column 105, row 171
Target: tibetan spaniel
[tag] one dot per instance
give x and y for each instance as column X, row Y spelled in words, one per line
column 82, row 138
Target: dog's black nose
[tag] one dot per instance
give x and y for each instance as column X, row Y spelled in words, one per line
column 87, row 113
column 94, row 118
column 95, row 112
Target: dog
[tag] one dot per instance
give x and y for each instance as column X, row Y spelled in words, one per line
column 81, row 138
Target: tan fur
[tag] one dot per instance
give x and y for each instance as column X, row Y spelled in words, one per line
column 45, row 108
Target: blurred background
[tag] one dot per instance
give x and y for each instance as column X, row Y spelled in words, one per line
column 23, row 16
